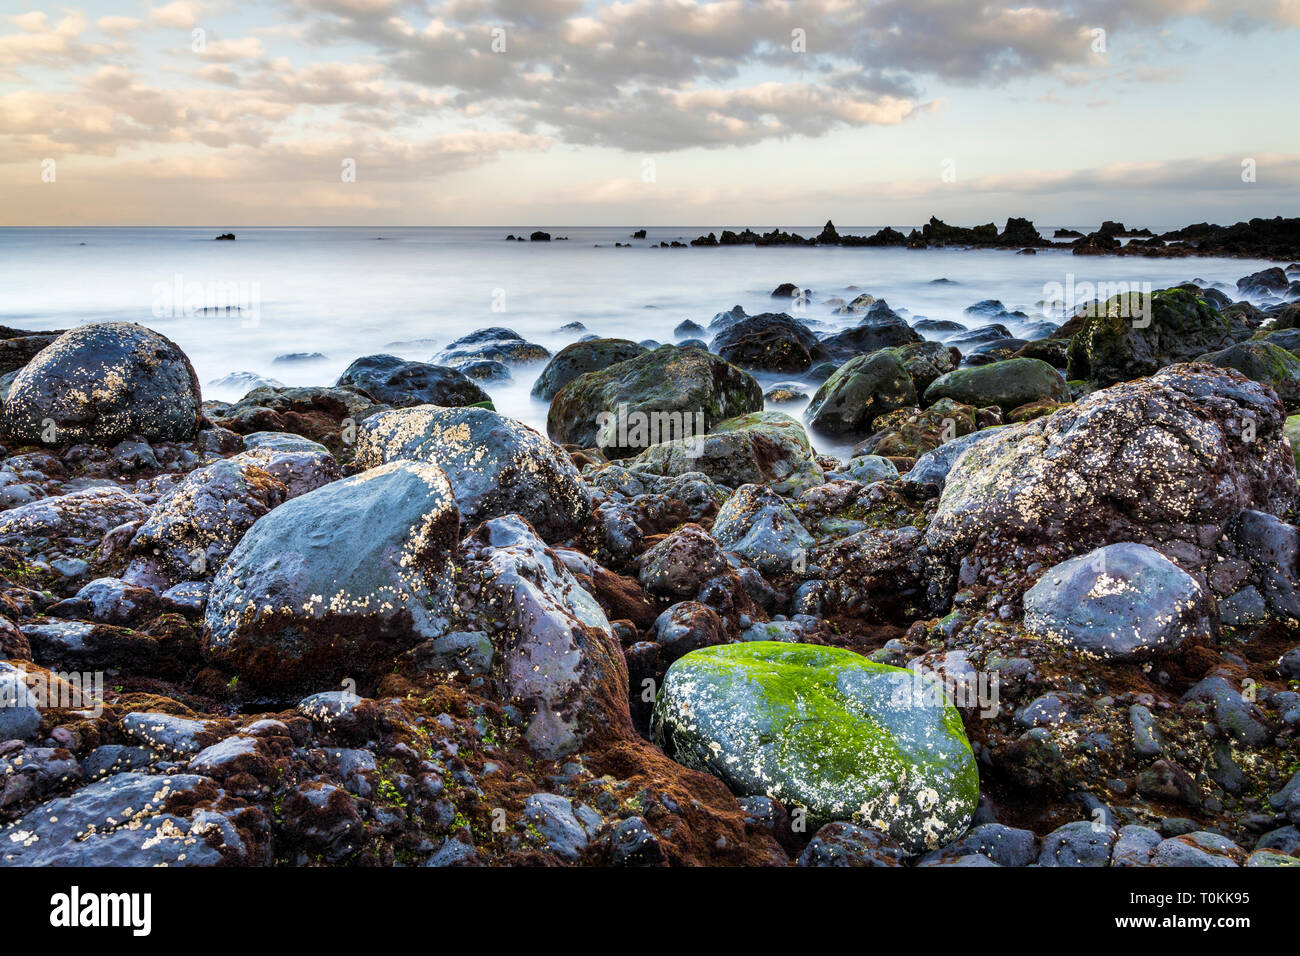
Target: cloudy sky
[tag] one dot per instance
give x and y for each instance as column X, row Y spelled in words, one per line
column 647, row 112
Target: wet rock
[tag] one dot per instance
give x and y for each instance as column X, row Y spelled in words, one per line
column 196, row 525
column 666, row 388
column 881, row 329
column 1078, row 844
column 1262, row 361
column 80, row 518
column 1198, row 849
column 127, row 820
column 768, row 448
column 494, row 344
column 1007, row 384
column 1241, row 718
column 772, row 341
column 933, row 467
column 757, row 524
column 167, row 733
column 679, row 564
column 1120, row 602
column 875, row 751
column 557, row 657
column 101, row 384
column 496, row 465
column 322, row 820
column 843, row 844
column 389, row 380
column 633, row 843
column 336, row 578
column 1147, row 461
column 1131, row 336
column 860, row 390
column 19, row 716
column 108, row 601
column 1002, row 844
column 578, row 359
column 565, row 831
column 869, row 468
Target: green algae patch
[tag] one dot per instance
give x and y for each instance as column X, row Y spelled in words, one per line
column 823, row 729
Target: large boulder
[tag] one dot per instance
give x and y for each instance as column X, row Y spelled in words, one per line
column 1129, row 336
column 860, row 390
column 656, row 396
column 101, row 384
column 772, row 341
column 390, row 380
column 1265, row 362
column 882, row 328
column 557, row 657
column 1007, row 384
column 331, row 583
column 824, row 729
column 1123, row 601
column 580, row 358
column 1164, row 459
column 768, row 448
column 496, row 465
column 495, row 345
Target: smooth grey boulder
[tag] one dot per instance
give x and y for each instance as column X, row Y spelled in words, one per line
column 390, row 380
column 757, row 524
column 1119, row 602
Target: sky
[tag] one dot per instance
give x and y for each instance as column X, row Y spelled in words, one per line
column 718, row 113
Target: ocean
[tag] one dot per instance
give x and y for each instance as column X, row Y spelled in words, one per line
column 348, row 292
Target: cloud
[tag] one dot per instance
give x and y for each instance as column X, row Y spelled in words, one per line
column 182, row 14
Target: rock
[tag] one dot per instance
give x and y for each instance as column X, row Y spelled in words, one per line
column 135, row 819
column 578, row 359
column 769, row 448
column 633, row 843
column 329, row 583
column 933, row 467
column 689, row 330
column 1132, row 336
column 882, row 328
column 843, row 844
column 1198, row 849
column 860, row 390
column 389, row 380
column 496, row 465
column 1004, row 845
column 1078, row 844
column 911, row 433
column 322, row 820
column 1007, row 384
column 167, row 734
column 1240, row 718
column 826, row 729
column 494, row 344
column 465, row 652
column 1262, row 361
column 869, row 468
column 241, row 383
column 1120, row 602
column 108, row 601
column 669, row 388
column 679, row 564
column 758, row 525
column 1133, row 846
column 101, row 384
column 554, row 819
column 19, row 716
column 197, row 524
column 81, row 517
column 772, row 341
column 1167, row 457
column 557, row 657
column 1264, row 283
column 1272, row 549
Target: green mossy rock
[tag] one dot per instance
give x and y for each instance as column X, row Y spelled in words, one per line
column 580, row 358
column 679, row 382
column 861, row 389
column 825, row 729
column 1265, row 362
column 1291, row 431
column 1007, row 384
column 1118, row 341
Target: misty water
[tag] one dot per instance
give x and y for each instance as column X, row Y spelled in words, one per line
column 348, row 292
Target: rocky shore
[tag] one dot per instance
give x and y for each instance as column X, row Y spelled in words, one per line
column 1276, row 238
column 1046, row 613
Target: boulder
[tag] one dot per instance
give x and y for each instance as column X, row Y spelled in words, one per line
column 496, row 465
column 860, row 390
column 1129, row 336
column 678, row 565
column 580, row 358
column 389, row 380
column 494, row 345
column 1122, row 601
column 882, row 328
column 768, row 448
column 772, row 341
column 328, row 584
column 101, row 384
column 1007, row 384
column 1170, row 457
column 1262, row 361
column 659, row 395
column 824, row 729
